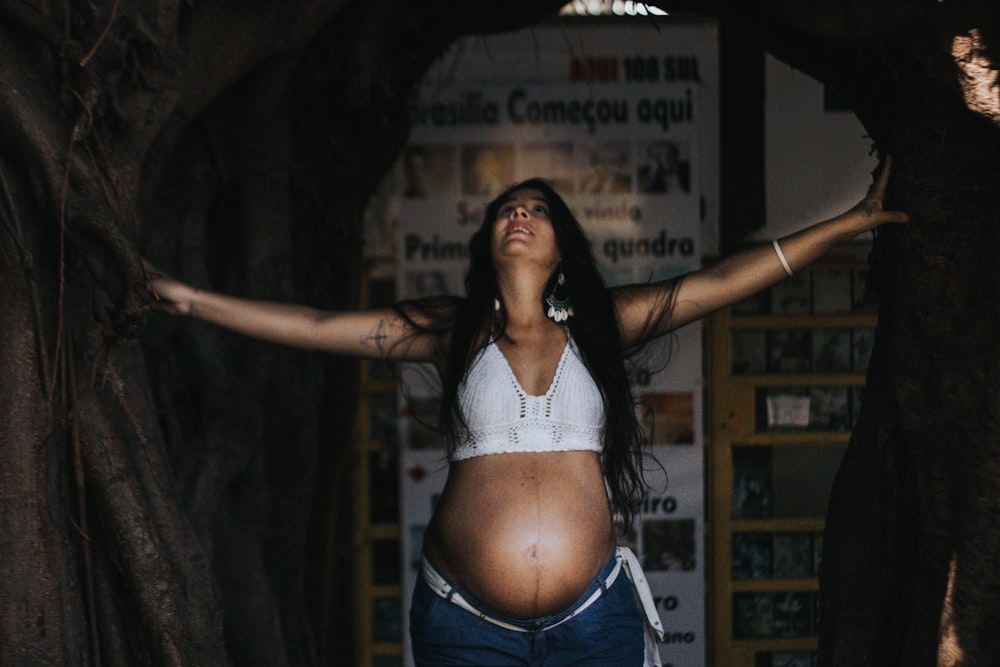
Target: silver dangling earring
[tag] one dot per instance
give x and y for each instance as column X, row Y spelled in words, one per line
column 496, row 304
column 560, row 309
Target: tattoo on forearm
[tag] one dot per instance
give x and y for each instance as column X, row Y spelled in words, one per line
column 376, row 337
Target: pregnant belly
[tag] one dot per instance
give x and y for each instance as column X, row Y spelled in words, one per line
column 525, row 534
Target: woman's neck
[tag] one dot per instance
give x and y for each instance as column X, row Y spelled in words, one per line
column 521, row 293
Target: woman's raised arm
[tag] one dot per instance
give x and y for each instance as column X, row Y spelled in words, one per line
column 370, row 334
column 745, row 273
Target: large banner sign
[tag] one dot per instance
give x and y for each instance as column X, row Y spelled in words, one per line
column 618, row 137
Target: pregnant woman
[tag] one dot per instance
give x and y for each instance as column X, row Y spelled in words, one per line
column 520, row 560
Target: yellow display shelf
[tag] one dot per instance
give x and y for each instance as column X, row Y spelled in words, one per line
column 779, row 419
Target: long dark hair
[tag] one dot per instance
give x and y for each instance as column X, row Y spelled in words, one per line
column 594, row 328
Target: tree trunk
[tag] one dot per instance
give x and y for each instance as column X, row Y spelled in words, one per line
column 910, row 568
column 911, row 555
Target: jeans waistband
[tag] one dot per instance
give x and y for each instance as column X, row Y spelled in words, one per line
column 444, row 588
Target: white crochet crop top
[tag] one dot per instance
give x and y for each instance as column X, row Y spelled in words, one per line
column 501, row 417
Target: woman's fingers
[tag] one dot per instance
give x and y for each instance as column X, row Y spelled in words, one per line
column 873, row 205
column 170, row 295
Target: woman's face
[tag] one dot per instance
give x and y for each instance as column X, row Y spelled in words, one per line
column 523, row 230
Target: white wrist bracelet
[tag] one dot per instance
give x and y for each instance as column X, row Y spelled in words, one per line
column 781, row 258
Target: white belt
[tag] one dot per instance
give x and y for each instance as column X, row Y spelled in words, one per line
column 654, row 628
column 638, row 579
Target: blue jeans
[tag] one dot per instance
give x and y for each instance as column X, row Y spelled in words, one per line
column 607, row 633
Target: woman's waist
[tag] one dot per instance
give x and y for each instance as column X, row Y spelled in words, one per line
column 521, row 565
column 447, row 588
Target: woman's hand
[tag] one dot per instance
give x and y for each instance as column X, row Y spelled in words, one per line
column 172, row 296
column 870, row 212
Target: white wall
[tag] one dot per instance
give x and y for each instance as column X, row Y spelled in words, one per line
column 817, row 163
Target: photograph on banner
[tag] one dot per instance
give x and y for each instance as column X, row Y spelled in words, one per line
column 428, row 171
column 667, row 417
